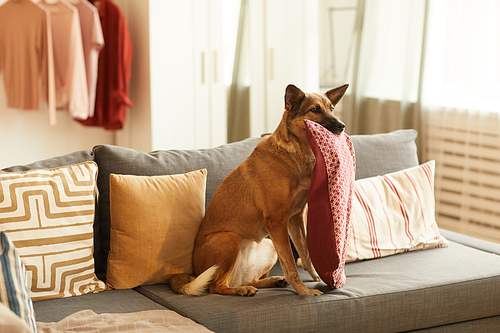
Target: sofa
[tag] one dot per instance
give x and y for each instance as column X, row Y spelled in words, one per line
column 448, row 289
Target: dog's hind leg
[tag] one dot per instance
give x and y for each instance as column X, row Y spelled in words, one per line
column 254, row 264
column 297, row 230
column 222, row 249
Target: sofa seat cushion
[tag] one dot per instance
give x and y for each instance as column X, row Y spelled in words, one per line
column 108, row 301
column 427, row 288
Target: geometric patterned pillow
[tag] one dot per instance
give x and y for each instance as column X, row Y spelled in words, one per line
column 394, row 213
column 49, row 214
column 13, row 287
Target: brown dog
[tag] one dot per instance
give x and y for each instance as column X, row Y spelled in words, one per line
column 265, row 195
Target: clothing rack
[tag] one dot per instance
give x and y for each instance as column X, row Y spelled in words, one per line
column 82, row 69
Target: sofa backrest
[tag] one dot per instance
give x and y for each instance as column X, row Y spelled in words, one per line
column 375, row 155
column 219, row 162
column 378, row 154
column 54, row 162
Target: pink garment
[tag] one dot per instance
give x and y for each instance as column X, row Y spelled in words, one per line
column 26, row 59
column 93, row 42
column 69, row 62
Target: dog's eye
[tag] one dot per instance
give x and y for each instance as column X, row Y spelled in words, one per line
column 315, row 110
column 332, row 107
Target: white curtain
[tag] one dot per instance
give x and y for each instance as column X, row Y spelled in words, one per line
column 421, row 52
column 238, row 108
column 384, row 71
column 461, row 108
column 462, row 62
column 434, row 65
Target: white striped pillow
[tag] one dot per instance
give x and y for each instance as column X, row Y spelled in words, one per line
column 13, row 286
column 394, row 213
column 49, row 214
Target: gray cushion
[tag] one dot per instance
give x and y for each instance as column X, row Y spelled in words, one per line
column 219, row 162
column 109, row 301
column 378, row 154
column 54, row 162
column 471, row 241
column 397, row 293
column 490, row 324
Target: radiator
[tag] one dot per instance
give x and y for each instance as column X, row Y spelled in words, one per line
column 466, row 147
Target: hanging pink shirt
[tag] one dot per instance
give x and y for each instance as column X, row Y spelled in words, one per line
column 69, row 62
column 93, row 42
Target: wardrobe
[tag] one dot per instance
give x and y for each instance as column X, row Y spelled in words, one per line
column 188, row 96
column 284, row 50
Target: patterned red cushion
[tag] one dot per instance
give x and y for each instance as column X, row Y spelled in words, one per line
column 330, row 201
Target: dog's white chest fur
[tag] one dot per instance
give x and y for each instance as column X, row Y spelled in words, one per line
column 254, row 260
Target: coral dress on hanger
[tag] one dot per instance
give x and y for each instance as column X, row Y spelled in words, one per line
column 26, row 59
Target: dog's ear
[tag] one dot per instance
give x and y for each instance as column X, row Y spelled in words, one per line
column 293, row 97
column 335, row 94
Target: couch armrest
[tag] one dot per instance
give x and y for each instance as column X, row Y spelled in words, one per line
column 471, row 241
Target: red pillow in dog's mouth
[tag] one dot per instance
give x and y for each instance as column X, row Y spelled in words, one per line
column 330, row 202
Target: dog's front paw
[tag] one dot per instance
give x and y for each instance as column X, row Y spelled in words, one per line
column 311, row 292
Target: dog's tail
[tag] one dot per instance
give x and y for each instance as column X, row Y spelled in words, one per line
column 190, row 285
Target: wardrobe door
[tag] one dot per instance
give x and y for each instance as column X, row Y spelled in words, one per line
column 284, row 42
column 188, row 96
column 218, row 90
column 284, row 50
column 210, row 92
column 258, row 70
column 202, row 81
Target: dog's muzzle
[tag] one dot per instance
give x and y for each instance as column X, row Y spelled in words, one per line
column 335, row 126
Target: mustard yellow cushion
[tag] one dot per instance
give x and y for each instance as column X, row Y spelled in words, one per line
column 154, row 223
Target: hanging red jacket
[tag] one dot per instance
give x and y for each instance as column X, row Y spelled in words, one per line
column 114, row 69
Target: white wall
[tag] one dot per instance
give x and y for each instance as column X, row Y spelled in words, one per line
column 25, row 136
column 137, row 131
